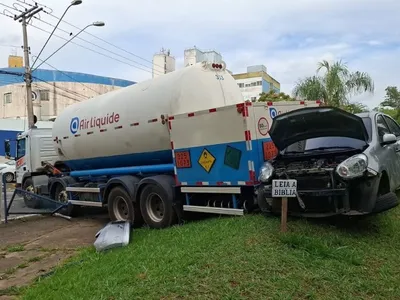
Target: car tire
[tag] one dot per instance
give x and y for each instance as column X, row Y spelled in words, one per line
column 386, row 202
column 9, row 177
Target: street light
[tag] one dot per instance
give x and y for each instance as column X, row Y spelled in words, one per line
column 73, row 3
column 96, row 24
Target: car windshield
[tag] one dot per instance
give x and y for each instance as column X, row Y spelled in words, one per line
column 330, row 143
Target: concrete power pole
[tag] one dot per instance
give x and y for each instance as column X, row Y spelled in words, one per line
column 22, row 18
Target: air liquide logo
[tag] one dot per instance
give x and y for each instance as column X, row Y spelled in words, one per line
column 93, row 122
column 74, row 125
column 272, row 112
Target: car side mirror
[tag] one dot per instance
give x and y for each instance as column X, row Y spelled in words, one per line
column 7, row 148
column 388, row 138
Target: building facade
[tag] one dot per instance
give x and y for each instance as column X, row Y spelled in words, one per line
column 256, row 81
column 194, row 55
column 163, row 63
column 52, row 91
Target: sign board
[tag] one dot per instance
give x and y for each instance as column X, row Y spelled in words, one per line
column 206, row 160
column 284, row 188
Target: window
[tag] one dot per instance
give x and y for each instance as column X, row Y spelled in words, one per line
column 7, row 98
column 393, row 126
column 248, row 85
column 381, row 126
column 253, row 99
column 259, row 83
column 254, row 83
column 21, row 148
column 241, row 85
column 44, row 95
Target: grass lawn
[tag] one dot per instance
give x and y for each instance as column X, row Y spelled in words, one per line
column 240, row 258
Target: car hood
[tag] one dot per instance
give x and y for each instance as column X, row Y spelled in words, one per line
column 313, row 122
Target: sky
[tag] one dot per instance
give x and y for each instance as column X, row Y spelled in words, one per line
column 289, row 36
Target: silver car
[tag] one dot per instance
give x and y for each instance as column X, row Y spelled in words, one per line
column 344, row 163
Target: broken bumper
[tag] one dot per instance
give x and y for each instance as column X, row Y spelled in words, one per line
column 308, row 203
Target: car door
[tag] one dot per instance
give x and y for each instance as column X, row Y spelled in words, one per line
column 394, row 128
column 388, row 157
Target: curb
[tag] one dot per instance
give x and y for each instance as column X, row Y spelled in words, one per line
column 11, row 218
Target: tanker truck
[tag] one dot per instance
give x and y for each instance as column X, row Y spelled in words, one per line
column 184, row 141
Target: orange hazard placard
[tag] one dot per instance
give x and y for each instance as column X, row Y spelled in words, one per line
column 182, row 159
column 269, row 150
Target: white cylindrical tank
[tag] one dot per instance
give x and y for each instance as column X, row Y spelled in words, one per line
column 125, row 128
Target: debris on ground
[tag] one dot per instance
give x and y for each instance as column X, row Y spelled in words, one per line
column 114, row 234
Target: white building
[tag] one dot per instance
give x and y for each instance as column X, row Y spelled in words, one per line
column 163, row 63
column 194, row 55
column 52, row 91
column 256, row 81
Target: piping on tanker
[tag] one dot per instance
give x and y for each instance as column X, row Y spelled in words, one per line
column 93, row 122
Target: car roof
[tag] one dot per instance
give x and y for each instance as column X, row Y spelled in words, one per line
column 369, row 114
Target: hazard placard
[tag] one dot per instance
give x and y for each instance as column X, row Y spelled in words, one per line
column 206, row 160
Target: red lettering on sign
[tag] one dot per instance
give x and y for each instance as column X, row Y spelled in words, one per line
column 269, row 150
column 182, row 159
column 99, row 122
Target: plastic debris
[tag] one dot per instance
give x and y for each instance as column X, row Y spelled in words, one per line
column 115, row 234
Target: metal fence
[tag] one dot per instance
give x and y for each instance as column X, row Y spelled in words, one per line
column 21, row 202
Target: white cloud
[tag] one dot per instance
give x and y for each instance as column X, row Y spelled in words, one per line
column 289, row 37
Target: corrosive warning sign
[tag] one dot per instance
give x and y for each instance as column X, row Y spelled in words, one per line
column 263, row 126
column 206, row 160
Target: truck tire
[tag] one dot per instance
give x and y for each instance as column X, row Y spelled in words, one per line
column 60, row 195
column 29, row 201
column 120, row 205
column 156, row 207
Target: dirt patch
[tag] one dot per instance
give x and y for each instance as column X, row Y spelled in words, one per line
column 32, row 247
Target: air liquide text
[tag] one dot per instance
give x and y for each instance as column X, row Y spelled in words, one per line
column 99, row 122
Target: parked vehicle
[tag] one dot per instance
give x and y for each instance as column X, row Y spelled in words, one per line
column 184, row 141
column 343, row 163
column 8, row 170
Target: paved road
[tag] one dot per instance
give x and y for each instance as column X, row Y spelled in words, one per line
column 19, row 208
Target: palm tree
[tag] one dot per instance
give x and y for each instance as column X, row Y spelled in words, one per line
column 335, row 86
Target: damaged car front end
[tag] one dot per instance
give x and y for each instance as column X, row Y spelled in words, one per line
column 324, row 149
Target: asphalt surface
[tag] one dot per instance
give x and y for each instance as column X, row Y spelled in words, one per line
column 18, row 207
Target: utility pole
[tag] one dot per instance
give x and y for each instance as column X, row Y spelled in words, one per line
column 22, row 18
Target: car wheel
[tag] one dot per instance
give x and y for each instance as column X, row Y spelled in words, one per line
column 9, row 177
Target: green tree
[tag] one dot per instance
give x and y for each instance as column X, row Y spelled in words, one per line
column 335, row 86
column 274, row 97
column 391, row 104
column 355, row 108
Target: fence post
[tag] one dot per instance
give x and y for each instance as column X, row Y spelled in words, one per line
column 3, row 203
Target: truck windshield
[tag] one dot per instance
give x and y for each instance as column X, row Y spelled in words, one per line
column 21, row 148
column 331, row 142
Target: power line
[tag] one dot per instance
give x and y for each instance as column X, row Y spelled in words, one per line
column 74, row 80
column 105, row 55
column 100, row 39
column 60, row 88
column 57, row 94
column 96, row 45
column 49, row 13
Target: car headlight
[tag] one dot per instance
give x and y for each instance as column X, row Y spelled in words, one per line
column 353, row 167
column 266, row 172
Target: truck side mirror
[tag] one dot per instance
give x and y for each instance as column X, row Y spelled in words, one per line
column 7, row 148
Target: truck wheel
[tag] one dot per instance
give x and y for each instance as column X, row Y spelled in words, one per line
column 156, row 207
column 61, row 195
column 120, row 205
column 29, row 201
